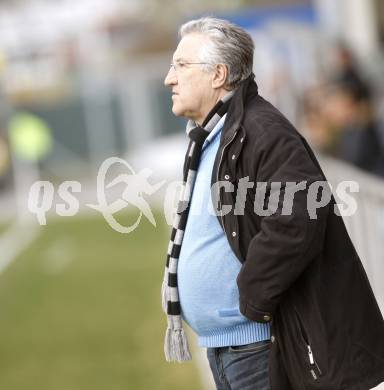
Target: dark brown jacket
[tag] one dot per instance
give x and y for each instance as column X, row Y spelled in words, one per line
column 302, row 275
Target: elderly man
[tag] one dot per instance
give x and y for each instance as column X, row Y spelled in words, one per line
column 279, row 299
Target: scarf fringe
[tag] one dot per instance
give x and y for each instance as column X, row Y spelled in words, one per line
column 176, row 347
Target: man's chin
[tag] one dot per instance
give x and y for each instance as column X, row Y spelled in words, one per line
column 177, row 111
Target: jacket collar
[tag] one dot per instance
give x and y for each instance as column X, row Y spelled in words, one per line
column 236, row 109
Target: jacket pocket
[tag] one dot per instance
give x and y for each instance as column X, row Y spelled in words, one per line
column 309, row 355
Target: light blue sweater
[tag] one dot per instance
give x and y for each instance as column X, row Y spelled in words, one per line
column 207, row 268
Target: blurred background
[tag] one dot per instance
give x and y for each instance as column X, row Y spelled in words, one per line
column 81, row 81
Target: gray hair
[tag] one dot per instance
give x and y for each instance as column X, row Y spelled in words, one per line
column 228, row 44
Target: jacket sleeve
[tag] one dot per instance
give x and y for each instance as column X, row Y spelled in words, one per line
column 285, row 244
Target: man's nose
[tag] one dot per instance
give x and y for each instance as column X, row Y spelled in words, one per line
column 170, row 78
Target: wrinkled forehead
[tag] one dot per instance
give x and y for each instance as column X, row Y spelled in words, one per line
column 189, row 48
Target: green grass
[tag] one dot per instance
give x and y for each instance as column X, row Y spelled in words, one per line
column 80, row 309
column 4, row 226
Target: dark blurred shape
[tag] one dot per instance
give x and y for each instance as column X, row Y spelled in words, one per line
column 359, row 141
column 341, row 116
column 348, row 75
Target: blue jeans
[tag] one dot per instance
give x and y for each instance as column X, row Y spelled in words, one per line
column 243, row 367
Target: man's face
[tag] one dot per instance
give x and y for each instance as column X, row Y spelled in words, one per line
column 192, row 92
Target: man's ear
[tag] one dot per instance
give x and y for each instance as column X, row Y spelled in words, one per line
column 220, row 74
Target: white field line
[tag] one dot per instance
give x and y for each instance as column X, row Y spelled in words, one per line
column 204, row 369
column 200, row 359
column 15, row 240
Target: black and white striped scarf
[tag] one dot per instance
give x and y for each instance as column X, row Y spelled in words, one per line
column 176, row 343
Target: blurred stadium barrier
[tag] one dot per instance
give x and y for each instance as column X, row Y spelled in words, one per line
column 366, row 226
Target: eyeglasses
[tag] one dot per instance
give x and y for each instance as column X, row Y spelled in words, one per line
column 179, row 66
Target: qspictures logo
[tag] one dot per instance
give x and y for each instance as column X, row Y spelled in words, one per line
column 136, row 185
column 269, row 198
